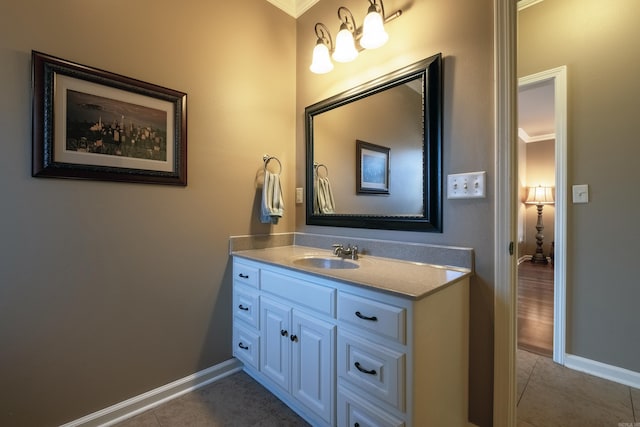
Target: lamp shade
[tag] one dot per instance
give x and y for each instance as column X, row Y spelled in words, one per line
column 321, row 62
column 345, row 46
column 373, row 33
column 540, row 196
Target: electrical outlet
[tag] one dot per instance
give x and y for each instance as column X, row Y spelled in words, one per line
column 466, row 185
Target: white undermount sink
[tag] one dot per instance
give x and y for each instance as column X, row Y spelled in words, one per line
column 326, row 262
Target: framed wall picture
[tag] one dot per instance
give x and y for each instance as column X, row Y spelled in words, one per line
column 372, row 168
column 93, row 124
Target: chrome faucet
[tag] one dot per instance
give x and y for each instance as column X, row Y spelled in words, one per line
column 349, row 251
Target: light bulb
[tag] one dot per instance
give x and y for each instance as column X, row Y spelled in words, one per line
column 345, row 46
column 321, row 62
column 373, row 33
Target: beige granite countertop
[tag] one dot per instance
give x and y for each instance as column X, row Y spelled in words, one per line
column 407, row 279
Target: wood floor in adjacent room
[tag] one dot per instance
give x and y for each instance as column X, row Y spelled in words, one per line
column 535, row 307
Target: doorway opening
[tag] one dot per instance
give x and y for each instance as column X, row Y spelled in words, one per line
column 542, row 228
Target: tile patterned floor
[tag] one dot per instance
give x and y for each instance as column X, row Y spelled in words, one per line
column 234, row 401
column 550, row 395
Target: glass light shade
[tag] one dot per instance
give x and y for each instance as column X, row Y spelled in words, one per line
column 373, row 33
column 345, row 46
column 321, row 62
column 540, row 196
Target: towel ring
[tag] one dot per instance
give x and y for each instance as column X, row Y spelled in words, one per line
column 267, row 158
column 318, row 166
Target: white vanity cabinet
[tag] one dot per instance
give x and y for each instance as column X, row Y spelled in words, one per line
column 347, row 355
column 295, row 338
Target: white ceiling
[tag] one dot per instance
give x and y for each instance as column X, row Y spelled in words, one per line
column 536, row 121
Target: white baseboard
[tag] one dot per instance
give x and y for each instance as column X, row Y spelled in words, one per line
column 602, row 370
column 138, row 404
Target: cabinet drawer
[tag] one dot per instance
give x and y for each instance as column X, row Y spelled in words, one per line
column 373, row 316
column 246, row 346
column 243, row 273
column 353, row 411
column 373, row 368
column 301, row 292
column 246, row 305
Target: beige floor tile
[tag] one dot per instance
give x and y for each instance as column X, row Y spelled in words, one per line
column 234, row 401
column 635, row 399
column 557, row 396
column 146, row 419
column 579, row 384
column 525, row 362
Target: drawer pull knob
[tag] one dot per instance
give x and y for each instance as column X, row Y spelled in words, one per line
column 283, row 332
column 242, row 346
column 356, row 425
column 294, row 338
column 363, row 317
column 243, row 276
column 364, row 371
column 242, row 307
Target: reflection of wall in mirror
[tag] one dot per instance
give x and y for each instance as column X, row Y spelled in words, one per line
column 391, row 118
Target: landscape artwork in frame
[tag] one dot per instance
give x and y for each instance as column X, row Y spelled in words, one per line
column 372, row 168
column 93, row 124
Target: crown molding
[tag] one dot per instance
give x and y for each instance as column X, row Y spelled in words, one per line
column 294, row 8
column 523, row 4
column 523, row 135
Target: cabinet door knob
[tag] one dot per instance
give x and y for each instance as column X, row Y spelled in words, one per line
column 242, row 307
column 294, row 338
column 363, row 317
column 243, row 276
column 283, row 332
column 242, row 346
column 364, row 371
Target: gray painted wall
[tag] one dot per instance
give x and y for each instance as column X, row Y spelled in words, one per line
column 594, row 41
column 108, row 290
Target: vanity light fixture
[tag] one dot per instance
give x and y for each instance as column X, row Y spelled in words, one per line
column 321, row 62
column 371, row 35
column 345, row 40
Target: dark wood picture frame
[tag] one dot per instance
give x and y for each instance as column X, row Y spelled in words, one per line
column 372, row 168
column 93, row 124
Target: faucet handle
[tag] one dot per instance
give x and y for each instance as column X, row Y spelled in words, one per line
column 337, row 248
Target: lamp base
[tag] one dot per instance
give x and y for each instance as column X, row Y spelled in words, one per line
column 539, row 258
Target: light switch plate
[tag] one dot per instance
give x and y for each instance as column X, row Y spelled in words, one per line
column 580, row 193
column 299, row 195
column 466, row 185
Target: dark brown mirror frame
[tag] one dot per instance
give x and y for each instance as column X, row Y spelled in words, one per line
column 429, row 71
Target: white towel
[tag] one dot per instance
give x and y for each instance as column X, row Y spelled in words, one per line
column 323, row 200
column 272, row 206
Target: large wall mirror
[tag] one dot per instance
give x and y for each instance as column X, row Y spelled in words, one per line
column 374, row 153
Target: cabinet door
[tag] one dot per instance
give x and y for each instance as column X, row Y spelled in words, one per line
column 276, row 344
column 313, row 349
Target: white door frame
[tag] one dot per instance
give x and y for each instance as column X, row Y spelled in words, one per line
column 505, row 104
column 505, row 80
column 559, row 78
